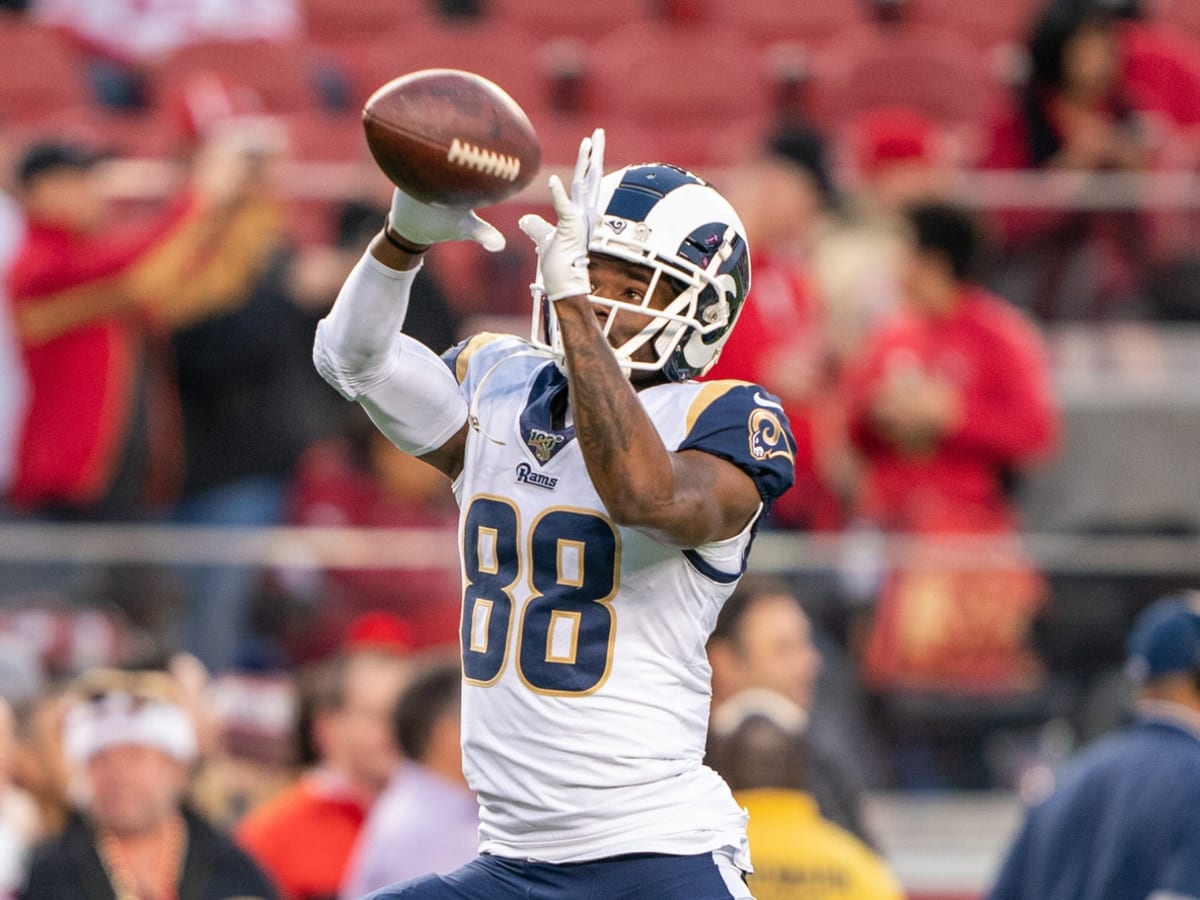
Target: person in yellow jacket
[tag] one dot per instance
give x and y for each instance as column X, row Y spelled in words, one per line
column 757, row 745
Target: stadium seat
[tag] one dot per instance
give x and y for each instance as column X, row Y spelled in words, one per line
column 741, row 140
column 925, row 67
column 132, row 134
column 319, row 136
column 504, row 53
column 329, row 22
column 986, row 23
column 283, row 75
column 769, row 21
column 710, row 77
column 709, row 72
column 556, row 18
column 626, row 142
column 39, row 72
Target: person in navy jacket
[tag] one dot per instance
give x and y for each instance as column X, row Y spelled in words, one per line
column 1123, row 822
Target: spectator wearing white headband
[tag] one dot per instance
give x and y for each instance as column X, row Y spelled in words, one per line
column 132, row 838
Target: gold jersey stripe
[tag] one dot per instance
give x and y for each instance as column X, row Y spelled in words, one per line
column 709, row 394
column 475, row 343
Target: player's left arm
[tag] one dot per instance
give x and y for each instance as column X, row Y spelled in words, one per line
column 687, row 498
column 360, row 350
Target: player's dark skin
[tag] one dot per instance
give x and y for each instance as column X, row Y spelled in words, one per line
column 683, row 499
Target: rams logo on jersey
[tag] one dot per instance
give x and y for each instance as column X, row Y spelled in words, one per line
column 526, row 474
column 543, row 443
column 768, row 438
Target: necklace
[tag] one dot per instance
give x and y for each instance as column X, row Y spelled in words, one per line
column 120, row 870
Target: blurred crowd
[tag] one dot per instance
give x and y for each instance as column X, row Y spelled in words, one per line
column 159, row 779
column 155, row 340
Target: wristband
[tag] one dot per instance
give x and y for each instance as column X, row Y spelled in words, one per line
column 400, row 243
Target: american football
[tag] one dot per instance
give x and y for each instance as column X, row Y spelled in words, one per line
column 452, row 138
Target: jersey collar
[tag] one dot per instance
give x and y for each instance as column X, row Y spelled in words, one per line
column 539, row 436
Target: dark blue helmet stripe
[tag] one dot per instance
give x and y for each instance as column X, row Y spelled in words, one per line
column 644, row 186
column 632, row 203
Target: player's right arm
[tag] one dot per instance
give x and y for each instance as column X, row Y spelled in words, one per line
column 405, row 388
column 682, row 498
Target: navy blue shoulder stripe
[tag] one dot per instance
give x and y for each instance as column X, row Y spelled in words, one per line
column 643, row 186
column 711, row 573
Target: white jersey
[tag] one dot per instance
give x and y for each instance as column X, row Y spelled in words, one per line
column 587, row 687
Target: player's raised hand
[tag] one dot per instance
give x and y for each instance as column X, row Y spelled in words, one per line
column 585, row 182
column 423, row 224
column 563, row 248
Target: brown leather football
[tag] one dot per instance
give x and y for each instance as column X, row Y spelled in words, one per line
column 451, row 137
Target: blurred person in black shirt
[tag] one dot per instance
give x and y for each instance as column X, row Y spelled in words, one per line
column 133, row 741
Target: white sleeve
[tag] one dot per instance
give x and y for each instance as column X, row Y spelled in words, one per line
column 404, row 386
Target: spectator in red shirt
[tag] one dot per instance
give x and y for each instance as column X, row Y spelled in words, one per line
column 83, row 350
column 304, row 836
column 952, row 395
column 86, row 295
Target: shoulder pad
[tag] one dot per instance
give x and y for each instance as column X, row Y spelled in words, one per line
column 459, row 357
column 745, row 425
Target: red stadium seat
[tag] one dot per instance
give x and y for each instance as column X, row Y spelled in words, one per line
column 708, row 148
column 318, row 136
column 739, row 141
column 986, row 23
column 925, row 67
column 710, row 78
column 810, row 23
column 140, row 134
column 331, row 21
column 283, row 75
column 506, row 54
column 625, row 142
column 666, row 73
column 39, row 72
column 560, row 18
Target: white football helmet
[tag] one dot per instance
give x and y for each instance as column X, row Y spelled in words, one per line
column 676, row 224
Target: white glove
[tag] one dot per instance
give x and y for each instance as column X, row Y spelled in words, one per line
column 563, row 249
column 421, row 223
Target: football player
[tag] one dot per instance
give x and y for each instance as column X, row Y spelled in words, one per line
column 608, row 504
